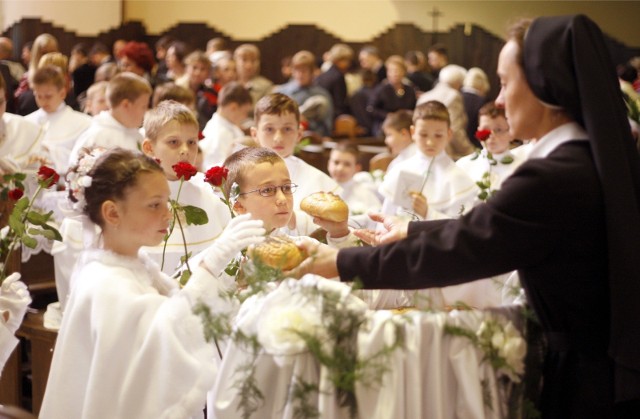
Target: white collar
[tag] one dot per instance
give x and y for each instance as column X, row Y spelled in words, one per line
column 553, row 139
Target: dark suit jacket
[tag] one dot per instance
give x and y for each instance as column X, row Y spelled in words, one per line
column 548, row 222
column 333, row 82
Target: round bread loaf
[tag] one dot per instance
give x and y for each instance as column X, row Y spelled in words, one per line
column 325, row 205
column 277, row 252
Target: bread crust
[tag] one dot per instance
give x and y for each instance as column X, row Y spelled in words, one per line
column 325, row 205
column 277, row 252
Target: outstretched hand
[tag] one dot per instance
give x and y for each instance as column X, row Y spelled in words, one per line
column 321, row 259
column 395, row 228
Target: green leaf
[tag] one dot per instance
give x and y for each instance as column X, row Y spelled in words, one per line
column 34, row 217
column 483, row 195
column 42, row 232
column 56, row 234
column 21, row 205
column 184, row 278
column 507, row 160
column 29, row 241
column 195, row 215
column 16, row 224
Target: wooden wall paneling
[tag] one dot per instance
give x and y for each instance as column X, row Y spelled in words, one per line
column 287, row 42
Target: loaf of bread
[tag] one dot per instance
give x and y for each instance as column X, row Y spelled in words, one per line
column 277, row 252
column 325, row 205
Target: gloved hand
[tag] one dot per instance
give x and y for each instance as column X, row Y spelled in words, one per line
column 14, row 298
column 239, row 233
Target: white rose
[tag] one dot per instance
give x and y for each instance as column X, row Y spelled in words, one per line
column 278, row 326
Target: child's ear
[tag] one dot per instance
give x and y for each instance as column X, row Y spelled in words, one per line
column 412, row 130
column 450, row 134
column 110, row 213
column 239, row 208
column 147, row 147
column 358, row 167
column 254, row 134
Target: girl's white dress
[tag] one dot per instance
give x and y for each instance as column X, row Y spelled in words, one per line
column 130, row 345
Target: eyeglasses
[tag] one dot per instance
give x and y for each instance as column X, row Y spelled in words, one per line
column 287, row 189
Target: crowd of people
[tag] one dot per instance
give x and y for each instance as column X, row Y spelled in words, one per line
column 539, row 185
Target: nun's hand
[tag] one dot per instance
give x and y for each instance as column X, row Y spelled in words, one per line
column 395, row 228
column 321, row 259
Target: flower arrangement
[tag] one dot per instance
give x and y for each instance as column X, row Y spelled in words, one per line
column 502, row 344
column 25, row 221
column 485, row 183
column 314, row 316
column 190, row 214
column 78, row 178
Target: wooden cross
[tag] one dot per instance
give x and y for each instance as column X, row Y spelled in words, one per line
column 435, row 14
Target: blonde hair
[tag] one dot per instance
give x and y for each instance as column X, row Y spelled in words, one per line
column 49, row 74
column 126, row 86
column 397, row 60
column 276, row 104
column 243, row 161
column 56, row 59
column 247, row 50
column 43, row 44
column 477, row 79
column 431, row 111
column 166, row 112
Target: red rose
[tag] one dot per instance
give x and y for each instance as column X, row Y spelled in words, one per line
column 200, row 135
column 184, row 170
column 15, row 194
column 483, row 134
column 216, row 175
column 47, row 176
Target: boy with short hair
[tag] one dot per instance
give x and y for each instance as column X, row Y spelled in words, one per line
column 360, row 197
column 171, row 136
column 397, row 136
column 495, row 158
column 277, row 126
column 62, row 126
column 429, row 185
column 222, row 132
column 266, row 190
column 128, row 96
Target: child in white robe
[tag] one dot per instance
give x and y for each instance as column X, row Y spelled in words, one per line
column 428, row 185
column 361, row 197
column 128, row 96
column 130, row 345
column 223, row 131
column 495, row 158
column 171, row 131
column 19, row 138
column 277, row 126
column 61, row 125
column 397, row 136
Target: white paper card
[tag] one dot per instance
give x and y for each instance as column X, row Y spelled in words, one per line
column 406, row 182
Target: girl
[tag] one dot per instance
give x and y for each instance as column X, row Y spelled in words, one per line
column 129, row 344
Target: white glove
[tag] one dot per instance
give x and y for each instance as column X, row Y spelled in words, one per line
column 241, row 232
column 14, row 298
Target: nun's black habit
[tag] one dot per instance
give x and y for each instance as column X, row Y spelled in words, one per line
column 569, row 223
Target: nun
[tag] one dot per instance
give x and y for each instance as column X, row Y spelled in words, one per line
column 567, row 219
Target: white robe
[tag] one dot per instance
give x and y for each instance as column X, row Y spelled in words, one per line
column 449, row 191
column 477, row 167
column 129, row 345
column 21, row 140
column 309, row 179
column 198, row 237
column 106, row 132
column 62, row 129
column 220, row 141
column 403, row 156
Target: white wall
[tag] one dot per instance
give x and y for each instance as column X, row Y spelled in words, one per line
column 351, row 20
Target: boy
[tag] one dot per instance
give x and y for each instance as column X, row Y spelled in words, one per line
column 96, row 100
column 62, row 125
column 360, row 197
column 267, row 192
column 428, row 185
column 492, row 121
column 277, row 126
column 397, row 136
column 128, row 96
column 171, row 131
column 196, row 79
column 222, row 132
column 247, row 58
